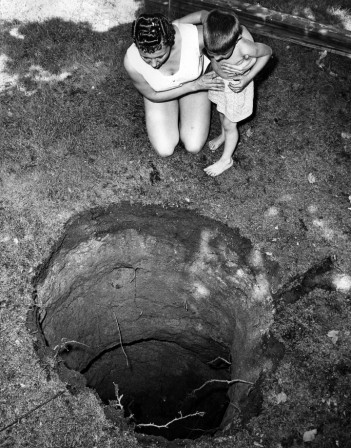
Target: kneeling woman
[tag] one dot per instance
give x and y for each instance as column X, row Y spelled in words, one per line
column 167, row 67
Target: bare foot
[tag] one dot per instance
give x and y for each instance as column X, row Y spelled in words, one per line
column 218, row 167
column 216, row 142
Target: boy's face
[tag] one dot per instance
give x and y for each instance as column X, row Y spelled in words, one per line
column 220, row 57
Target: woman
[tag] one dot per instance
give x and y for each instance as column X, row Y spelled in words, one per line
column 167, row 67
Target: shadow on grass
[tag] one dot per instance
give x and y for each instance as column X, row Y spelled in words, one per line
column 69, row 87
column 56, row 45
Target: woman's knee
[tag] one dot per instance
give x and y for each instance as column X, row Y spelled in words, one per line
column 193, row 145
column 164, row 149
column 193, row 149
column 193, row 138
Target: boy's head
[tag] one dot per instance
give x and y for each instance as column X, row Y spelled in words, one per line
column 221, row 32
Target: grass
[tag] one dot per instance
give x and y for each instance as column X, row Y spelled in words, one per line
column 75, row 142
column 314, row 376
column 336, row 12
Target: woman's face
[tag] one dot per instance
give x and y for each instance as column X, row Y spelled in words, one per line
column 157, row 58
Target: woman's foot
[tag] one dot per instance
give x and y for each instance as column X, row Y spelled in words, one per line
column 218, row 167
column 216, row 142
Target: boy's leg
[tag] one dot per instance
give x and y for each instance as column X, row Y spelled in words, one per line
column 162, row 125
column 195, row 115
column 215, row 143
column 231, row 140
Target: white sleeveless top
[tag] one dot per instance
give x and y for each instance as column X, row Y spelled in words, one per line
column 192, row 63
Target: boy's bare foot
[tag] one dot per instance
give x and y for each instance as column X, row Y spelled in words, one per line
column 216, row 142
column 218, row 167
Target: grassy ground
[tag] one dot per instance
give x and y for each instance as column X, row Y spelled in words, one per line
column 73, row 137
column 337, row 13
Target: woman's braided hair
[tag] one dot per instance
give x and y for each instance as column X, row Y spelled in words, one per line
column 151, row 31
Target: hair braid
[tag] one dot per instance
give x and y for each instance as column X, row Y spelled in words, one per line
column 151, row 31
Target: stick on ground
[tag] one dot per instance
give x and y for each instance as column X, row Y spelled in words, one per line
column 32, row 410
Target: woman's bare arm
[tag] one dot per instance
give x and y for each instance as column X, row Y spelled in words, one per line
column 204, row 82
column 195, row 18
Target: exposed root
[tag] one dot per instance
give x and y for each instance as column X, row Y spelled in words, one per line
column 153, row 425
column 120, row 340
column 228, row 382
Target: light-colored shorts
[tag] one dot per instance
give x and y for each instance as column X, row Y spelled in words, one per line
column 235, row 106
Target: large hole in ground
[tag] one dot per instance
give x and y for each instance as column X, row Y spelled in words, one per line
column 163, row 306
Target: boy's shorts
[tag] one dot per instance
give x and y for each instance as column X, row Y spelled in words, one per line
column 235, row 106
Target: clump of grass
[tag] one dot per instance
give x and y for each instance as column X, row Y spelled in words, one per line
column 341, row 15
column 335, row 12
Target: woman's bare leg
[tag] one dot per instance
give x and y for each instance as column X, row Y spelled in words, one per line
column 231, row 140
column 195, row 115
column 162, row 125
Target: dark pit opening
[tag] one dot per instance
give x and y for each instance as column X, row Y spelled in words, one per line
column 164, row 306
column 158, row 380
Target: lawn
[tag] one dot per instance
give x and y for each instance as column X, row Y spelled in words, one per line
column 337, row 13
column 73, row 138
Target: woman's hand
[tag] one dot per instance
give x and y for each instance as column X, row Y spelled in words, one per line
column 209, row 81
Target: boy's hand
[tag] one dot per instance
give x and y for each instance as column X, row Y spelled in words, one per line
column 238, row 69
column 239, row 83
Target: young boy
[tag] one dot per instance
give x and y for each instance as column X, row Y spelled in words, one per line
column 237, row 59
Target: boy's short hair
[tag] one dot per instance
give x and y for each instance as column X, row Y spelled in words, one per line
column 221, row 31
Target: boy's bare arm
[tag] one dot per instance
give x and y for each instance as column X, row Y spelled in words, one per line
column 195, row 18
column 261, row 52
column 240, row 68
column 254, row 49
column 258, row 52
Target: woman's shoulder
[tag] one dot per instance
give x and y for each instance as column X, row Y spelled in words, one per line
column 133, row 61
column 132, row 50
column 200, row 34
column 185, row 27
column 191, row 34
column 180, row 24
column 133, row 55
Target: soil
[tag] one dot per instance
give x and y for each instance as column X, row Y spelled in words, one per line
column 289, row 194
